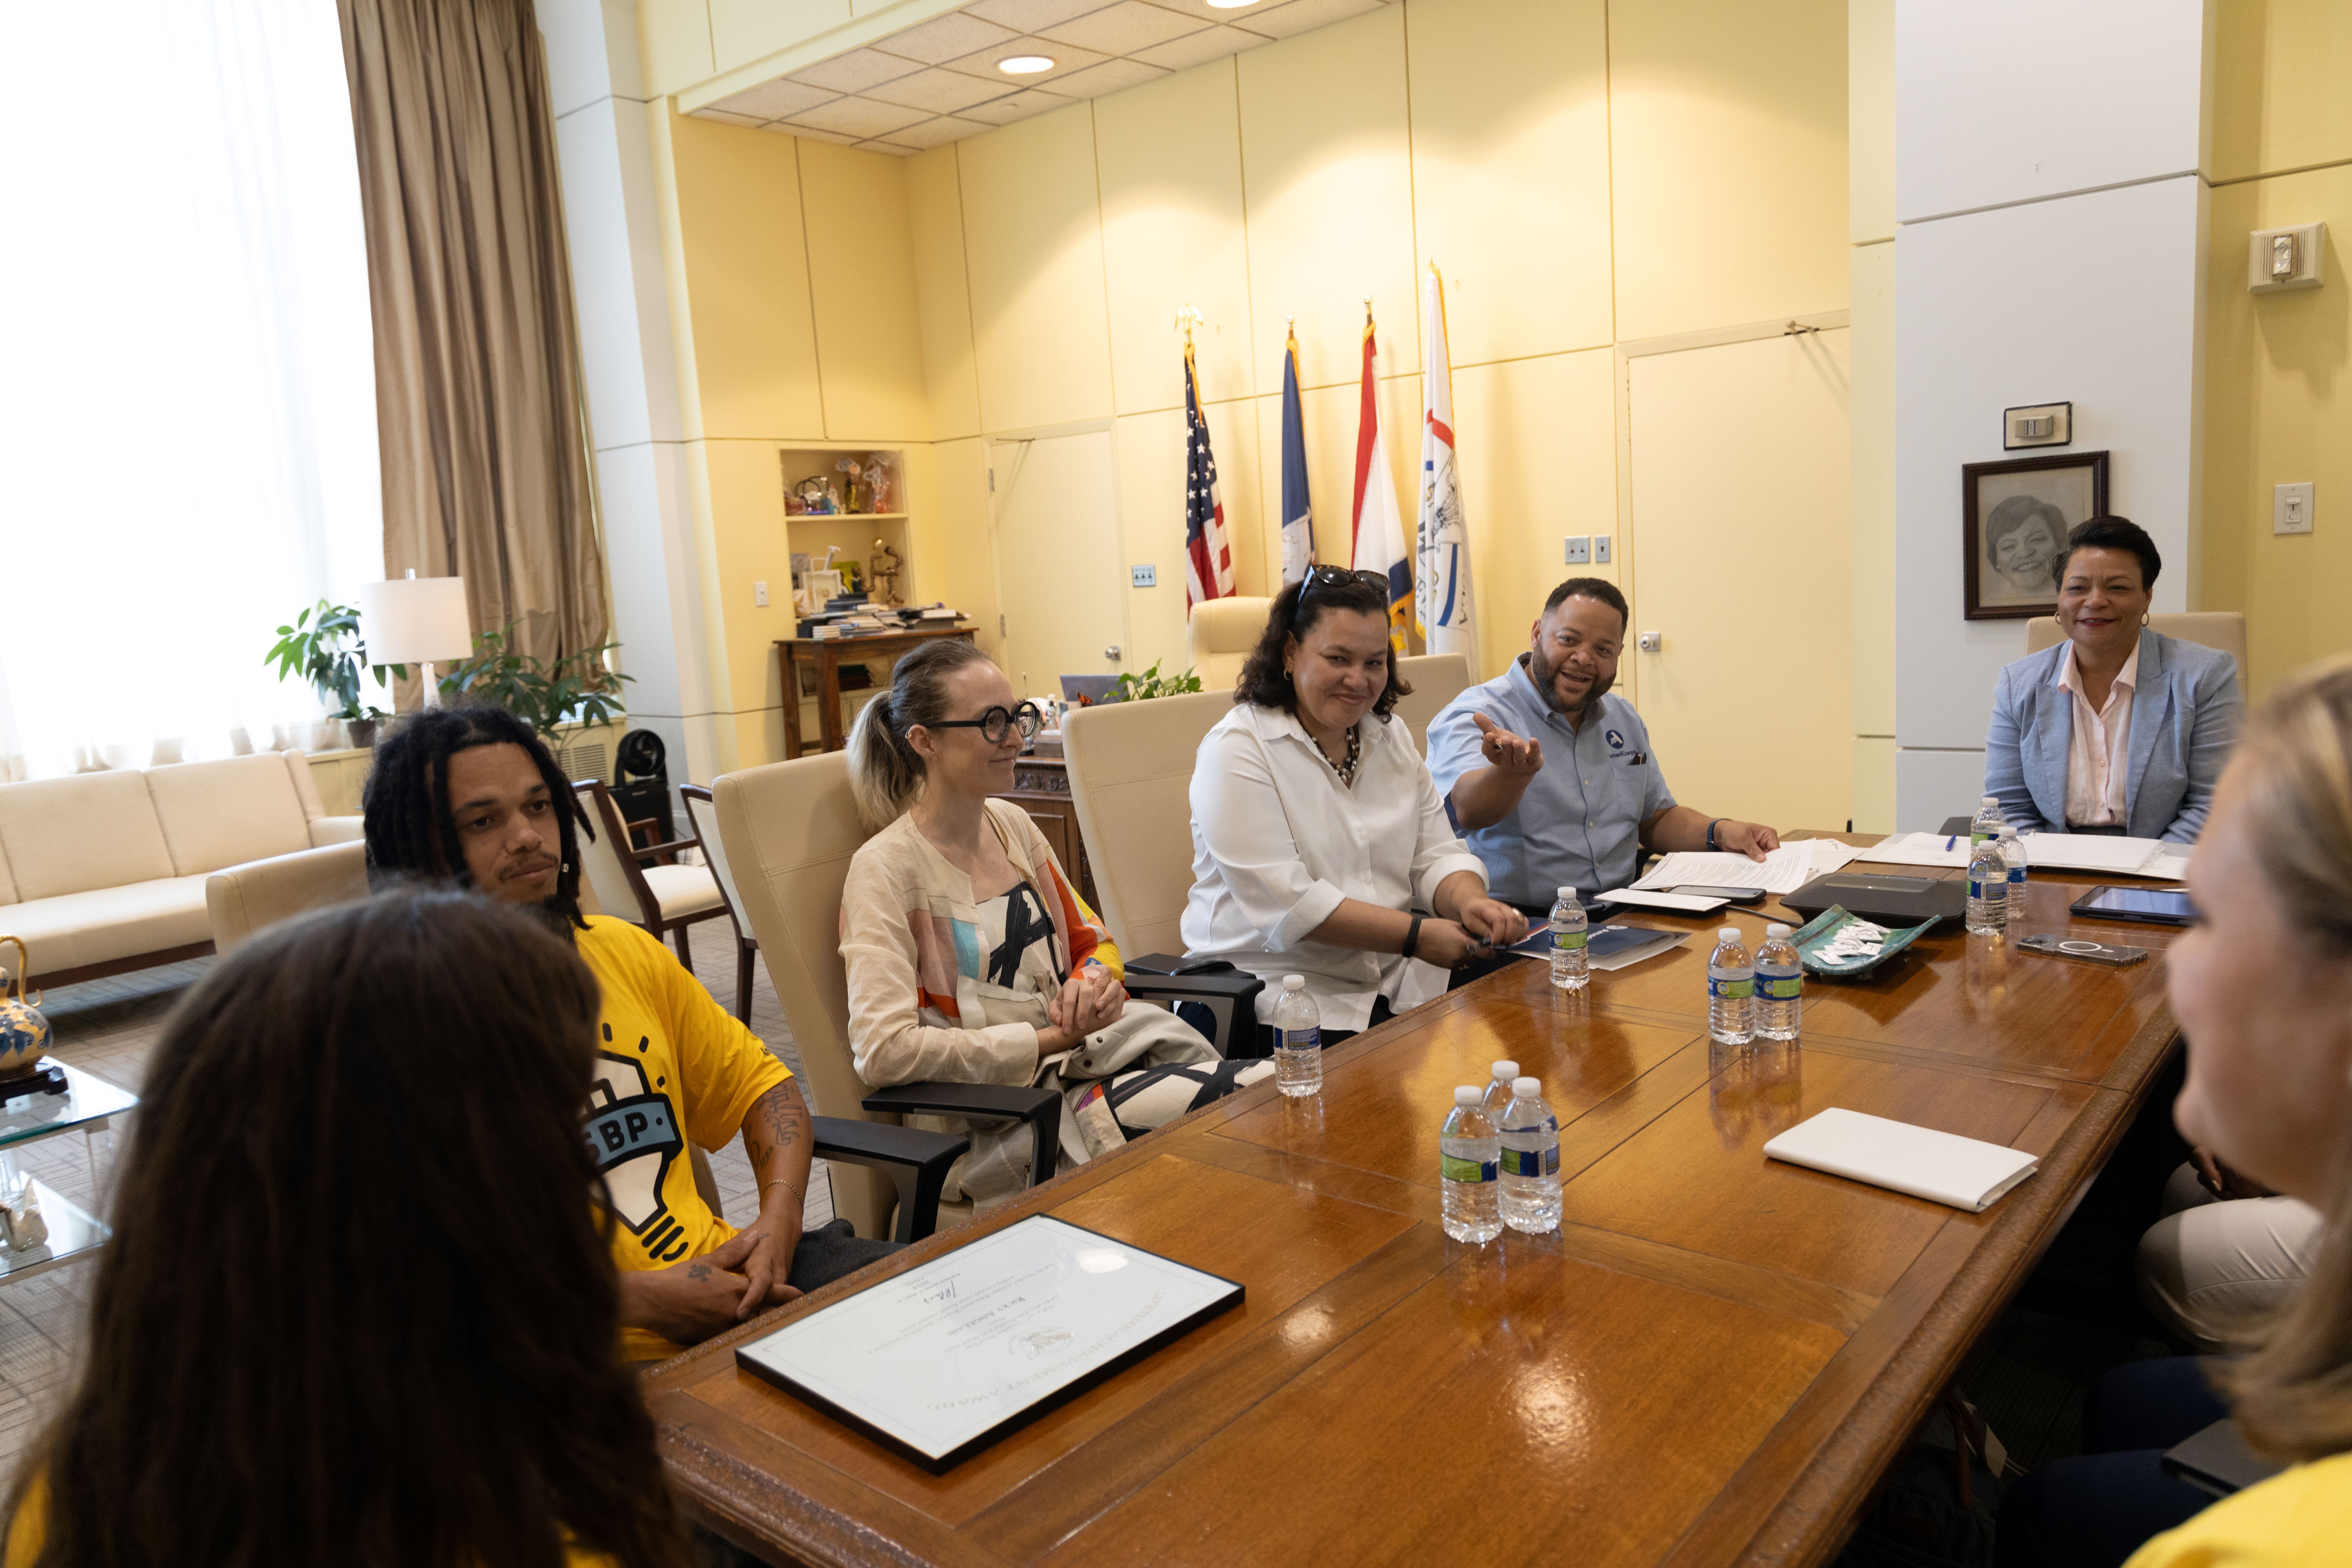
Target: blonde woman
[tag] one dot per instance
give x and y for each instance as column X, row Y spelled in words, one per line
column 970, row 957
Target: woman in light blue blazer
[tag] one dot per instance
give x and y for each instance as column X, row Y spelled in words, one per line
column 2118, row 729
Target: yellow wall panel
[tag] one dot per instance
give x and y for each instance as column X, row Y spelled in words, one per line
column 1870, row 120
column 954, row 559
column 1510, row 170
column 1171, row 160
column 674, row 43
column 942, row 295
column 751, row 544
column 1326, row 166
column 743, row 31
column 2279, row 70
column 2275, row 413
column 739, row 204
column 1728, row 145
column 1033, row 246
column 1534, row 445
column 862, row 280
column 1873, row 784
column 1871, row 550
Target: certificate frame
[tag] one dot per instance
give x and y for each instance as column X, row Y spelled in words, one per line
column 1225, row 1295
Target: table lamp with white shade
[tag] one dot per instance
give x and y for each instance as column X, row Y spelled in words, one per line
column 417, row 620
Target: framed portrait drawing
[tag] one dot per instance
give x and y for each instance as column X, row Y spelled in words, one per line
column 2015, row 517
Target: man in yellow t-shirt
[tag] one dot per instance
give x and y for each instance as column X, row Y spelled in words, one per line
column 673, row 1067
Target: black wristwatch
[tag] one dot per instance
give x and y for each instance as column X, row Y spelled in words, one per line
column 1412, row 937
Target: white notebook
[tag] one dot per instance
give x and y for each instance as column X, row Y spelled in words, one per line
column 1939, row 1166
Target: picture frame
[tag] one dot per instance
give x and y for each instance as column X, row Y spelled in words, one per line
column 2015, row 519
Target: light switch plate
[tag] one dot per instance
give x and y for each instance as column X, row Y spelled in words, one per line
column 1579, row 549
column 759, row 595
column 2290, row 508
column 1143, row 576
column 2038, row 425
column 1601, row 550
column 2308, row 243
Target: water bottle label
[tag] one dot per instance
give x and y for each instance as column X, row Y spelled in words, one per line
column 1981, row 889
column 1977, row 837
column 2017, row 876
column 1567, row 941
column 1302, row 1039
column 1543, row 1162
column 1781, row 987
column 1736, row 984
column 1454, row 1168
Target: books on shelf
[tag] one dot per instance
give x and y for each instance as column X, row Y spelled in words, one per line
column 852, row 616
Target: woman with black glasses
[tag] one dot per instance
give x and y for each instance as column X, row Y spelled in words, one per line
column 1319, row 845
column 971, row 958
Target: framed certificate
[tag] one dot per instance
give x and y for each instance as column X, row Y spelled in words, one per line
column 941, row 1362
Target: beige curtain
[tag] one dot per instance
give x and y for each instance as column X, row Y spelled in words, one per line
column 478, row 403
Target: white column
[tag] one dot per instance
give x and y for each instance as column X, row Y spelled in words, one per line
column 2051, row 213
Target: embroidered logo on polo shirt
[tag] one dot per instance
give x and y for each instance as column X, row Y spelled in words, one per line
column 1616, row 738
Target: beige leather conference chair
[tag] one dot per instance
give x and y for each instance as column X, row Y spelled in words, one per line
column 2223, row 629
column 1436, row 679
column 788, row 831
column 1131, row 767
column 243, row 900
column 1220, row 636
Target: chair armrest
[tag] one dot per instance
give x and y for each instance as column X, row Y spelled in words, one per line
column 672, row 848
column 326, row 831
column 1230, row 999
column 1041, row 1108
column 915, row 1160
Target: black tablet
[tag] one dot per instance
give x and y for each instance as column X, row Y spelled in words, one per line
column 2157, row 906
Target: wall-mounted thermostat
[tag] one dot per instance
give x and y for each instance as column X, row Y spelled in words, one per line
column 2280, row 258
column 2042, row 424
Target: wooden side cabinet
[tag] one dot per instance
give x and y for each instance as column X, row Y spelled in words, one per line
column 1041, row 786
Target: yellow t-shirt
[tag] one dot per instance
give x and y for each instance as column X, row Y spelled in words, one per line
column 2299, row 1518
column 673, row 1067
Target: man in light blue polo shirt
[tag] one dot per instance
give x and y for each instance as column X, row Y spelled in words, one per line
column 1550, row 779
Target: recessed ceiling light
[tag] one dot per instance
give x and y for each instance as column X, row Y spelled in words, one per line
column 1024, row 65
column 1229, row 4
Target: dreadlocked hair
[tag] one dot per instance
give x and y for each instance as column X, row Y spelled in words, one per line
column 405, row 804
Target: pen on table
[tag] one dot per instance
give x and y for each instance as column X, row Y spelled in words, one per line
column 1955, row 838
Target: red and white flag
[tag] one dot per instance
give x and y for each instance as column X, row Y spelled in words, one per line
column 1379, row 527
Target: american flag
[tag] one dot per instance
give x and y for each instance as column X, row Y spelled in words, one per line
column 1208, row 562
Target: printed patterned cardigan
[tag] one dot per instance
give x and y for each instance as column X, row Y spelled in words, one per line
column 910, row 940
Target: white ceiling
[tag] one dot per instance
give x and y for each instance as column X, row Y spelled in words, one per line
column 938, row 81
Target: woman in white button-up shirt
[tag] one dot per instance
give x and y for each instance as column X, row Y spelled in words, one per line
column 1317, row 833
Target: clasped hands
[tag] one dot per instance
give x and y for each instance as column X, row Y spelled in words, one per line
column 1480, row 925
column 1089, row 1000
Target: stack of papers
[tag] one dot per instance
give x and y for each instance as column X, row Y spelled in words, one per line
column 1919, row 849
column 2096, row 852
column 1609, row 947
column 1939, row 1166
column 1783, row 870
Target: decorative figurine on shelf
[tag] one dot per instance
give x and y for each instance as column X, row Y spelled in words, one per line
column 24, row 1033
column 793, row 505
column 817, row 499
column 852, row 468
column 882, row 572
column 881, row 484
column 849, row 578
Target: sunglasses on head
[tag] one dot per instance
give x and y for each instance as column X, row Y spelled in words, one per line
column 997, row 723
column 1325, row 579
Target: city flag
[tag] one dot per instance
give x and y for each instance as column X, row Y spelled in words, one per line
column 1442, row 567
column 1208, row 563
column 1297, row 512
column 1379, row 529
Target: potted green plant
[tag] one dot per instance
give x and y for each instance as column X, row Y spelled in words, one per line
column 327, row 652
column 542, row 693
column 1142, row 688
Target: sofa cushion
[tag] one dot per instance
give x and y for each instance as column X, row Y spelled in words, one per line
column 229, row 812
column 75, row 928
column 92, row 830
column 7, row 879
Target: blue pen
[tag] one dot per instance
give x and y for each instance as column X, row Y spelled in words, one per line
column 1955, row 838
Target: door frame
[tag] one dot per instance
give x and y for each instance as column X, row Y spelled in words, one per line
column 990, row 442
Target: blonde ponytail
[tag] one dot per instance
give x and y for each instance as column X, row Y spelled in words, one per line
column 885, row 773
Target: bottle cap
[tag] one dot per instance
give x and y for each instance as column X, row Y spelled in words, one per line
column 1504, row 1071
column 1294, row 983
column 1991, row 800
column 1776, row 930
column 1466, row 1095
column 1568, row 893
column 1729, row 933
column 1526, row 1088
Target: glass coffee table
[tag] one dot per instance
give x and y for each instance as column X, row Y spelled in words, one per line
column 87, row 1107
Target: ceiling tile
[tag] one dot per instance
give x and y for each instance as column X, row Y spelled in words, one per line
column 1029, row 16
column 1124, row 28
column 858, row 117
column 1199, row 49
column 939, row 92
column 785, row 128
column 1109, row 76
column 1066, row 59
column 724, row 118
column 1298, row 17
column 1208, row 13
column 936, row 132
column 957, row 33
column 855, row 71
column 1015, row 106
column 774, row 99
column 893, row 148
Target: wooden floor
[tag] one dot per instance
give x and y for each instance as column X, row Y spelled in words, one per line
column 106, row 1027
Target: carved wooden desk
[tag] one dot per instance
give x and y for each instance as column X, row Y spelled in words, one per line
column 827, row 654
column 1712, row 1363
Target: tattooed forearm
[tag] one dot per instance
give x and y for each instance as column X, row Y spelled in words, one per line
column 698, row 1271
column 776, row 1136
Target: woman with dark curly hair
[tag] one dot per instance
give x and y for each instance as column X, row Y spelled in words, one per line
column 1319, row 845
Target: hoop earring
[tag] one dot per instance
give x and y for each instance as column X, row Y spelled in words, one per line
column 2144, row 618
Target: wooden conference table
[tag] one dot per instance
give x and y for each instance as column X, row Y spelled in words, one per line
column 1713, row 1362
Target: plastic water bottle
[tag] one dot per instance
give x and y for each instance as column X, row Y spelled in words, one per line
column 1988, row 890
column 2012, row 849
column 1497, row 1098
column 1469, row 1156
column 1780, row 986
column 1297, row 1040
column 1730, row 991
column 1530, row 1160
column 1569, row 970
column 1988, row 822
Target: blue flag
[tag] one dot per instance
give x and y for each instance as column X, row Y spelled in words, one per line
column 1297, row 512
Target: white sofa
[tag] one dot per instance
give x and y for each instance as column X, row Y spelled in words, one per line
column 104, row 872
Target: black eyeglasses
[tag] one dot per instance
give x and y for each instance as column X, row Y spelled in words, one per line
column 996, row 723
column 1329, row 577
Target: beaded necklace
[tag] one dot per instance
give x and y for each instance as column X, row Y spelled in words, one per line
column 1346, row 770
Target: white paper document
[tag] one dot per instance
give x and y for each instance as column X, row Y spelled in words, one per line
column 1918, row 850
column 1939, row 1166
column 1782, row 871
column 1679, row 903
column 2105, row 854
column 936, row 1358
